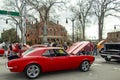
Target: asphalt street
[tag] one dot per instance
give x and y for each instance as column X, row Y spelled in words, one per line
column 100, row 70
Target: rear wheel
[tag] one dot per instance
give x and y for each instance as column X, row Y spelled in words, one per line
column 32, row 71
column 85, row 66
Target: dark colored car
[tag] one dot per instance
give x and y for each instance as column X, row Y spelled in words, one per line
column 110, row 51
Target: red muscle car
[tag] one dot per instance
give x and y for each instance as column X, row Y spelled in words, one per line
column 45, row 59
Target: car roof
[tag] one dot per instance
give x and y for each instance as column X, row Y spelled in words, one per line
column 45, row 48
column 48, row 48
column 37, row 45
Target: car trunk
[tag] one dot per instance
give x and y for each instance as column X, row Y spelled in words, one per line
column 13, row 57
column 76, row 47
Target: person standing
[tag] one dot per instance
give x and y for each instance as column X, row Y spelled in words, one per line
column 10, row 49
column 6, row 50
column 95, row 50
column 65, row 45
column 54, row 44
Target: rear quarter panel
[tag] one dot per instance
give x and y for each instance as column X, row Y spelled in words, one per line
column 21, row 63
column 88, row 58
column 75, row 61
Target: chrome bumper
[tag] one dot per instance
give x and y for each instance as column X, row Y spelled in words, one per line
column 7, row 66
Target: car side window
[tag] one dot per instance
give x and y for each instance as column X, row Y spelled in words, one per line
column 46, row 54
column 60, row 52
column 52, row 53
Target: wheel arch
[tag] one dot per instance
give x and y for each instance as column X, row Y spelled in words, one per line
column 34, row 64
column 81, row 65
column 84, row 60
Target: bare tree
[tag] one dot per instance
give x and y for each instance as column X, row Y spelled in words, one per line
column 78, row 33
column 104, row 8
column 44, row 8
column 83, row 10
column 17, row 6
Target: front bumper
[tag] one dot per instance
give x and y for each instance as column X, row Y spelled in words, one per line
column 110, row 56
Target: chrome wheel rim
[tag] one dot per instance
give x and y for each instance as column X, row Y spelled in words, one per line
column 85, row 66
column 33, row 71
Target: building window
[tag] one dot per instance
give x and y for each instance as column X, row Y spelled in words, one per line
column 117, row 35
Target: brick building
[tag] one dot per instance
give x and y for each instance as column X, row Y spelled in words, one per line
column 113, row 36
column 55, row 32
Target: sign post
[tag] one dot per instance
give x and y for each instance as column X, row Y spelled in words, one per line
column 3, row 12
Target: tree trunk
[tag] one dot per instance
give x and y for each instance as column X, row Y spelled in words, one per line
column 83, row 29
column 83, row 32
column 100, row 30
column 100, row 24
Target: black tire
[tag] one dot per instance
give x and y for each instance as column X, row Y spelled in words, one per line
column 85, row 66
column 32, row 71
column 107, row 59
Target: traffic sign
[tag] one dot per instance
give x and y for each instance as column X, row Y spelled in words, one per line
column 3, row 12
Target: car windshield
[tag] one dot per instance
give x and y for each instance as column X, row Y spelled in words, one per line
column 28, row 51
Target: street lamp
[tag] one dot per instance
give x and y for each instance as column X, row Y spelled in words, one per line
column 15, row 28
column 73, row 19
column 115, row 27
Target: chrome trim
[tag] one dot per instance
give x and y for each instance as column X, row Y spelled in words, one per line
column 111, row 55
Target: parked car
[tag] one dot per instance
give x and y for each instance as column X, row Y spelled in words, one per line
column 110, row 51
column 2, row 52
column 35, row 61
column 100, row 44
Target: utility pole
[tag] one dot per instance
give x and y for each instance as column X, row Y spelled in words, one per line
column 16, row 32
column 73, row 30
column 24, row 24
column 45, row 41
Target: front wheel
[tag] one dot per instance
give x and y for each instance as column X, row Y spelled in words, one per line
column 85, row 66
column 32, row 71
column 107, row 59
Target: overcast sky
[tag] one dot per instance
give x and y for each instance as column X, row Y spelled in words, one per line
column 91, row 31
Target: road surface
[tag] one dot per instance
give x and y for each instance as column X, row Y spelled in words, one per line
column 100, row 70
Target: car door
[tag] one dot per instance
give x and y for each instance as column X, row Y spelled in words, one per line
column 60, row 60
column 47, row 63
column 57, row 60
column 53, row 61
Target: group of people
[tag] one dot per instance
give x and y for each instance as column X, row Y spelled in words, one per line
column 90, row 49
column 55, row 44
column 14, row 49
